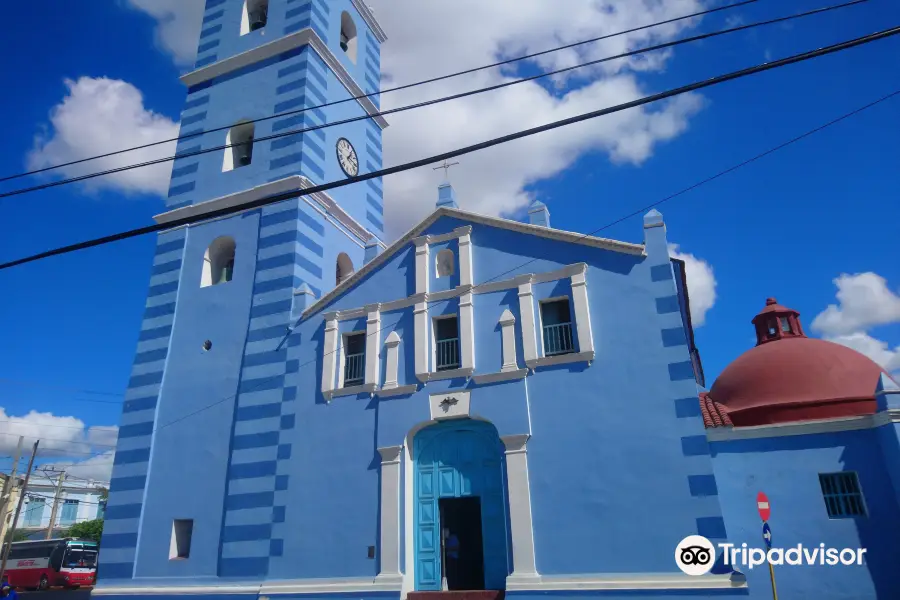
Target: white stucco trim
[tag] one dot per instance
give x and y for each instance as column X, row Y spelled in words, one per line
column 582, row 312
column 422, row 266
column 399, row 390
column 373, row 341
column 450, row 374
column 369, row 17
column 466, row 276
column 727, row 434
column 500, row 376
column 318, row 586
column 543, row 232
column 508, row 338
column 519, row 496
column 354, row 390
column 284, row 44
column 391, row 361
column 420, row 325
column 390, row 514
column 560, row 359
column 444, row 237
column 526, row 315
column 627, row 581
column 321, row 202
column 330, row 349
column 467, row 332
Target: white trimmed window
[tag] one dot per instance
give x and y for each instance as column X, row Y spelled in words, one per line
column 239, row 147
column 353, row 371
column 446, row 343
column 255, row 15
column 348, row 36
column 218, row 262
column 557, row 329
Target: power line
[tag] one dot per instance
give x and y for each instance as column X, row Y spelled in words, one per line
column 33, row 383
column 796, row 58
column 417, row 105
column 61, row 440
column 389, row 90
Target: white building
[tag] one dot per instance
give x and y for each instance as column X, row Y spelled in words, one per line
column 79, row 500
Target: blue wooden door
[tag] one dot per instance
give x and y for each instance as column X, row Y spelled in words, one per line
column 456, row 460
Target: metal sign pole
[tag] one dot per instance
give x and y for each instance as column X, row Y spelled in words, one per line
column 12, row 526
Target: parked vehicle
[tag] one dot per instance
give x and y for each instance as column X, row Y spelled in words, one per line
column 68, row 562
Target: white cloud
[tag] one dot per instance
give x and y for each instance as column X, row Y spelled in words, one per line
column 177, row 25
column 59, row 437
column 98, row 468
column 424, row 40
column 701, row 284
column 864, row 301
column 875, row 349
column 103, row 115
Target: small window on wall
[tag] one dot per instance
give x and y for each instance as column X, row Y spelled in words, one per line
column 556, row 322
column 256, row 15
column 218, row 262
column 785, row 324
column 446, row 343
column 445, row 263
column 348, row 36
column 182, row 532
column 343, row 268
column 842, row 494
column 354, row 359
column 239, row 147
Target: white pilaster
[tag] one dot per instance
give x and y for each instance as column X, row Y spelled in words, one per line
column 330, row 357
column 467, row 331
column 526, row 313
column 390, row 514
column 519, row 493
column 421, row 336
column 392, row 361
column 422, row 264
column 582, row 311
column 508, row 335
column 373, row 342
column 466, row 277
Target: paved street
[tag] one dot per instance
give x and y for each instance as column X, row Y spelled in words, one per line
column 57, row 595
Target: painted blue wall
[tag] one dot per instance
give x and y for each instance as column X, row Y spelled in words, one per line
column 787, row 469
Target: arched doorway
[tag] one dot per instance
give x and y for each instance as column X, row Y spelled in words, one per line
column 458, row 483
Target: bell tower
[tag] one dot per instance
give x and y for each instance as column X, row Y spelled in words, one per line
column 210, row 364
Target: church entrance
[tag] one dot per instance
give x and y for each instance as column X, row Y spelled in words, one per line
column 459, row 507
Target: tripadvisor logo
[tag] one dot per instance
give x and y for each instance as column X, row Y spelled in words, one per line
column 695, row 555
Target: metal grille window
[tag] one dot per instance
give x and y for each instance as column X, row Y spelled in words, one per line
column 843, row 498
column 354, row 359
column 446, row 333
column 556, row 318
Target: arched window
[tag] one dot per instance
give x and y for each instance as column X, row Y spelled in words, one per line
column 240, row 147
column 445, row 263
column 344, row 268
column 348, row 36
column 256, row 15
column 218, row 262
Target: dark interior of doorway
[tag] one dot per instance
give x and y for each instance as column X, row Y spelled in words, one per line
column 462, row 516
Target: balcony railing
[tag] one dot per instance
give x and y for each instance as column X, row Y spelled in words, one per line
column 558, row 339
column 355, row 369
column 447, row 354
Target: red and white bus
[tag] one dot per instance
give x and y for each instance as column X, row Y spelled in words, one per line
column 65, row 562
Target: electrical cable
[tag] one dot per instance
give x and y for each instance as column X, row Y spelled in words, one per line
column 796, row 58
column 389, row 90
column 432, row 102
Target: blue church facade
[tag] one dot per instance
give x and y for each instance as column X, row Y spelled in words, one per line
column 314, row 413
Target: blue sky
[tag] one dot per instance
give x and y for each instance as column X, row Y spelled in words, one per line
column 787, row 226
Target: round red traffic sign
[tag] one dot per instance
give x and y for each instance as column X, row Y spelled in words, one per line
column 762, row 503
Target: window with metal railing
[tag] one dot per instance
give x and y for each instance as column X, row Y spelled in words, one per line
column 843, row 497
column 446, row 338
column 354, row 359
column 556, row 320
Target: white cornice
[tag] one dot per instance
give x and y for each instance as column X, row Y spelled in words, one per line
column 560, row 359
column 412, row 234
column 320, row 201
column 285, row 44
column 727, row 434
column 369, row 17
column 500, row 376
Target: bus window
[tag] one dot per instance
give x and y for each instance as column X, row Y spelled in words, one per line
column 57, row 557
column 78, row 558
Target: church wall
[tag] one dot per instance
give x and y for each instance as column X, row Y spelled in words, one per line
column 787, row 469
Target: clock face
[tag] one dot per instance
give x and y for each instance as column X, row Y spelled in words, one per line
column 347, row 157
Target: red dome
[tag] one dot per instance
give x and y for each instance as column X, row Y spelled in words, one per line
column 790, row 377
